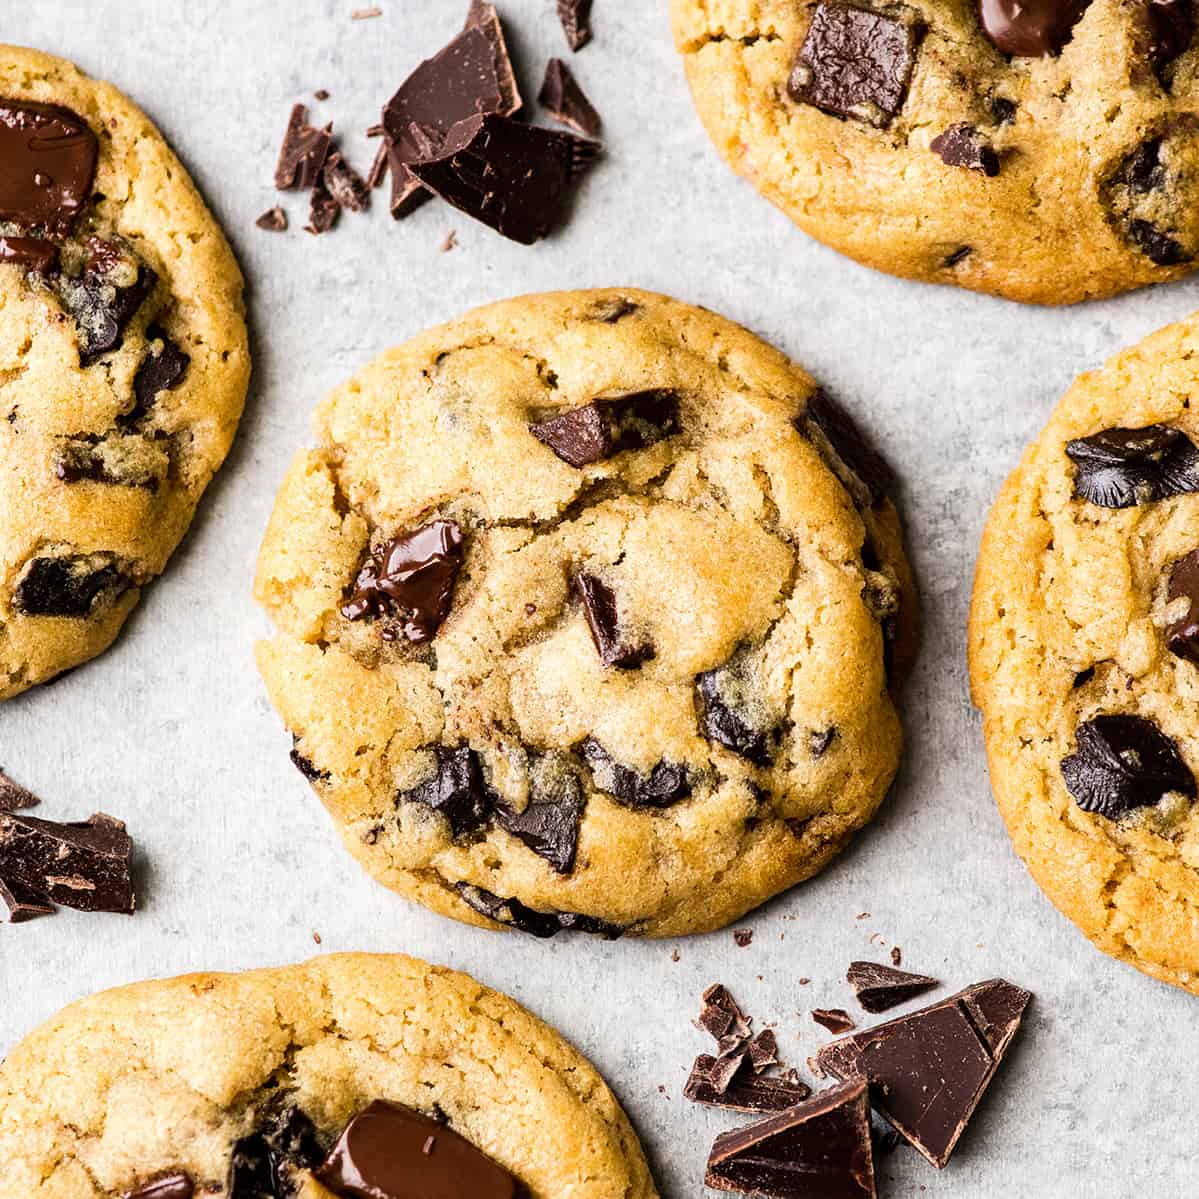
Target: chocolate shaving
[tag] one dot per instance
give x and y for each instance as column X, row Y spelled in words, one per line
column 303, row 153
column 13, row 796
column 744, row 1094
column 274, row 220
column 575, row 16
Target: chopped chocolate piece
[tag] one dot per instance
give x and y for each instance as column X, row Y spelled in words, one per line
column 1121, row 468
column 527, row 920
column 1158, row 246
column 763, row 1051
column 274, row 220
column 599, row 606
column 575, row 16
column 302, row 156
column 101, row 305
column 962, row 145
column 861, row 469
column 835, row 1019
column 1182, row 596
column 84, row 866
column 170, row 1186
column 928, row 1071
column 563, row 98
column 721, row 1016
column 30, row 253
column 162, row 369
column 385, row 1153
column 744, row 1094
column 305, row 765
column 1170, row 25
column 83, row 459
column 1132, row 192
column 449, row 242
column 323, row 209
column 855, row 63
column 1121, row 763
column 514, row 177
column 379, row 167
column 744, row 937
column 13, row 796
column 413, row 577
column 664, row 786
column 880, row 988
column 1003, row 110
column 728, row 715
column 269, row 1162
column 47, row 165
column 549, row 825
column 457, row 791
column 67, row 587
column 819, row 1149
column 596, row 431
column 1030, row 28
column 344, row 185
column 22, row 903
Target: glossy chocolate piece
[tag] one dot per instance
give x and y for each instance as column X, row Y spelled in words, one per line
column 47, row 165
column 880, row 988
column 565, row 101
column 1030, row 28
column 664, row 786
column 1121, row 468
column 575, row 16
column 456, row 790
column 962, row 145
column 1182, row 595
column 743, row 1093
column 603, row 619
column 70, row 587
column 30, row 253
column 597, row 431
column 836, row 1020
column 525, row 919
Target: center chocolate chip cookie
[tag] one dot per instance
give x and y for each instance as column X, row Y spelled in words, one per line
column 1047, row 151
column 1085, row 655
column 590, row 607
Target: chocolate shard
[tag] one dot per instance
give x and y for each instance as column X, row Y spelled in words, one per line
column 744, row 1094
column 162, row 369
column 603, row 619
column 392, row 1152
column 1170, row 30
column 763, row 1051
column 456, row 790
column 962, row 145
column 549, row 825
column 528, row 920
column 14, row 797
column 565, row 101
column 47, row 165
column 855, row 63
column 30, row 253
column 22, row 903
column 169, row 1186
column 1182, row 596
column 928, row 1071
column 1121, row 468
column 664, row 786
column 836, row 1020
column 70, row 587
column 880, row 988
column 104, row 299
column 597, row 431
column 1121, row 763
column 303, row 153
column 575, row 16
column 721, row 1016
column 274, row 220
column 1030, row 28
column 271, row 1161
column 516, row 178
column 344, row 185
column 729, row 714
column 83, row 866
column 820, row 1149
column 323, row 209
column 861, row 469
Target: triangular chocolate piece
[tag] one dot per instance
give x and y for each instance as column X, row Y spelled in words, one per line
column 880, row 988
column 21, row 903
column 14, row 796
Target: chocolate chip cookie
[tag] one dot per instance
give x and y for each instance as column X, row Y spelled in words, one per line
column 352, row 1075
column 1084, row 650
column 590, row 607
column 1044, row 151
column 123, row 361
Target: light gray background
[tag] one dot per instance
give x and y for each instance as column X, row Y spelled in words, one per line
column 171, row 730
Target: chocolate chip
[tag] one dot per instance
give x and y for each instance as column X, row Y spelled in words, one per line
column 527, row 920
column 743, row 938
column 1182, row 596
column 575, row 16
column 1030, row 28
column 169, row 1186
column 818, row 1147
column 565, row 101
column 32, row 253
column 1158, row 246
column 383, row 1151
column 303, row 153
column 47, row 165
column 1121, row 763
column 836, row 1019
column 603, row 619
column 456, row 790
column 162, row 369
column 68, row 587
column 880, row 988
column 861, row 469
column 1003, row 110
column 962, row 145
column 102, row 305
column 549, row 825
column 412, row 578
column 664, row 786
column 14, row 797
column 1170, row 26
column 598, row 430
column 86, row 459
column 743, row 1094
column 323, row 209
column 274, row 220
column 855, row 63
column 730, row 715
column 1121, row 468
column 305, row 765
column 950, row 1050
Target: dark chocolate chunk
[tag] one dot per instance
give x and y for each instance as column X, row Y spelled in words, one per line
column 83, row 459
column 274, row 220
column 744, row 1093
column 527, row 920
column 725, row 1068
column 819, row 1149
column 392, row 1152
column 599, row 606
column 305, row 765
column 67, row 587
column 30, row 253
column 269, row 1162
column 1157, row 245
column 763, row 1051
column 664, row 786
column 22, row 903
column 344, row 185
column 101, row 305
column 575, row 16
column 83, row 866
column 1121, row 763
column 1030, row 28
column 928, row 1071
column 411, row 577
column 303, row 153
column 514, row 177
column 725, row 715
column 457, row 791
column 835, row 1019
column 862, row 470
column 721, row 1016
column 169, row 1186
column 1003, row 110
column 47, row 165
column 13, row 796
column 251, row 1174
column 162, row 369
column 1170, row 26
column 565, row 101
column 323, row 209
column 549, row 825
column 1120, row 468
column 855, row 63
column 880, row 988
column 962, row 145
column 1182, row 596
column 599, row 430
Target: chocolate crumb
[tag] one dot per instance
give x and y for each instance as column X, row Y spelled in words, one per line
column 320, row 94
column 13, row 796
column 743, row 937
column 675, row 955
column 836, row 1020
column 575, row 16
column 316, row 937
column 274, row 220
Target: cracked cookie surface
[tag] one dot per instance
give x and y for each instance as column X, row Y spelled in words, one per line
column 1054, row 165
column 577, row 628
column 1081, row 659
column 123, row 361
column 171, row 1077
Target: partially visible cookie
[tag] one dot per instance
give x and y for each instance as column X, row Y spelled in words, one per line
column 346, row 1073
column 1084, row 655
column 123, row 361
column 590, row 607
column 1046, row 152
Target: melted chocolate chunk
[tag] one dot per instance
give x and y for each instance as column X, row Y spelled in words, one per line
column 928, row 1071
column 84, row 459
column 1121, row 763
column 962, row 145
column 1030, row 28
column 880, row 988
column 527, row 920
column 102, row 307
column 457, row 791
column 30, row 253
column 162, row 369
column 835, row 1019
column 742, row 1094
column 268, row 1163
column 665, row 785
column 411, row 577
column 67, row 587
column 575, row 16
column 1182, row 632
column 855, row 63
column 1121, row 468
column 819, row 1149
column 599, row 606
column 727, row 717
column 305, row 765
column 1170, row 26
column 47, row 165
column 861, row 469
column 303, row 153
column 1130, row 192
column 549, row 825
column 1003, row 111
column 169, row 1186
column 565, row 101
column 599, row 430
column 392, row 1152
